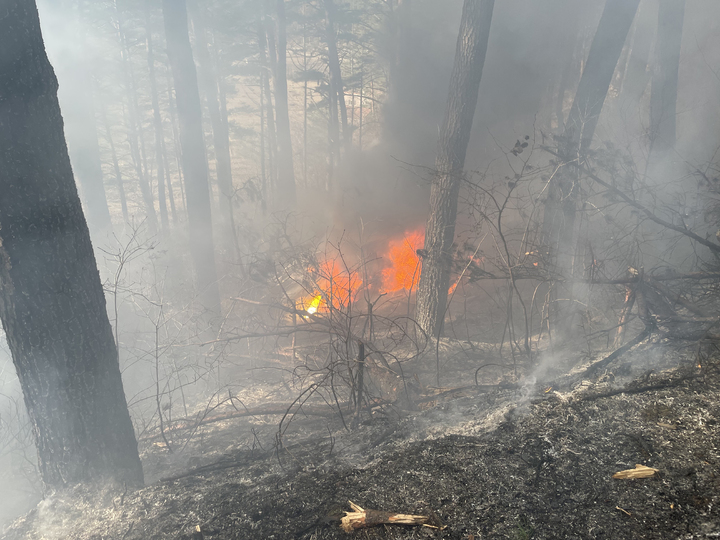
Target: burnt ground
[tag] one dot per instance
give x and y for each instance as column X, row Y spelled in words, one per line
column 520, row 462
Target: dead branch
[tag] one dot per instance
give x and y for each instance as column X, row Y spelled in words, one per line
column 618, row 352
column 715, row 248
column 360, row 518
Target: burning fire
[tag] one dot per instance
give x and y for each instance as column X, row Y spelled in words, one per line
column 404, row 269
column 335, row 284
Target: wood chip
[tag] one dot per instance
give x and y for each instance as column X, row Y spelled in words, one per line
column 640, row 471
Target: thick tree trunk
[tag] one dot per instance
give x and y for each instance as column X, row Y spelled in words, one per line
column 663, row 96
column 157, row 120
column 560, row 231
column 455, row 135
column 54, row 315
column 607, row 45
column 285, row 195
column 221, row 132
column 336, row 81
column 194, row 160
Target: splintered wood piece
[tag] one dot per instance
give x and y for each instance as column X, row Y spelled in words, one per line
column 640, row 471
column 360, row 518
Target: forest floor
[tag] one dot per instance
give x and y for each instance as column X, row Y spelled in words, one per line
column 530, row 461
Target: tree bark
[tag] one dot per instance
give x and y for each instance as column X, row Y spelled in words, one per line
column 663, row 95
column 285, row 195
column 157, row 121
column 194, row 160
column 455, row 135
column 54, row 315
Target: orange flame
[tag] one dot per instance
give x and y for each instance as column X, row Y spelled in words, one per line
column 336, row 286
column 404, row 269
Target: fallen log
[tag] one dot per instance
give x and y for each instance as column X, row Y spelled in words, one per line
column 360, row 518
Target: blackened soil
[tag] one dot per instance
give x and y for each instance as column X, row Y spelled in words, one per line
column 542, row 470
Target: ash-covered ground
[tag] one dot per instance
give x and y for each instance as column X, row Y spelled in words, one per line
column 516, row 461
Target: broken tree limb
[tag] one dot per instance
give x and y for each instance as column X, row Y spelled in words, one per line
column 618, row 352
column 360, row 518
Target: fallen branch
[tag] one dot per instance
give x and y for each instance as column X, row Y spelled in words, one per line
column 269, row 409
column 617, row 353
column 661, row 385
column 360, row 518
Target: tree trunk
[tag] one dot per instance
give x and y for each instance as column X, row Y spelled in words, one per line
column 663, row 96
column 604, row 54
column 163, row 177
column 54, row 315
column 268, row 68
column 560, row 233
column 607, row 45
column 177, row 152
column 285, row 195
column 221, row 133
column 157, row 120
column 116, row 168
column 638, row 75
column 455, row 135
column 194, row 161
column 135, row 140
column 336, row 81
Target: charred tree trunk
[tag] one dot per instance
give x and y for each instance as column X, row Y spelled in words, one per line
column 194, row 160
column 285, row 195
column 559, row 221
column 607, row 45
column 604, row 54
column 455, row 135
column 157, row 120
column 337, row 88
column 663, row 96
column 221, row 133
column 54, row 315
